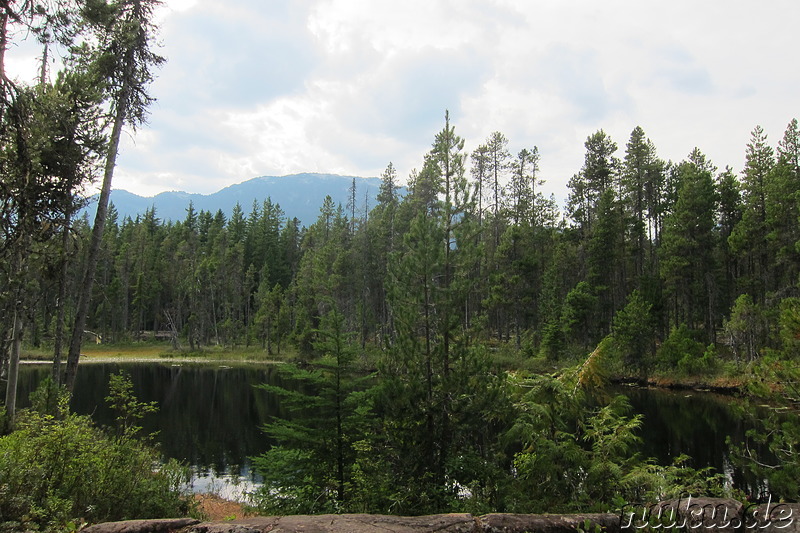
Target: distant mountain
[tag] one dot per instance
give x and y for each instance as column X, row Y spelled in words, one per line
column 299, row 195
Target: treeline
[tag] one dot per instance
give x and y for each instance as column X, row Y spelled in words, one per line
column 687, row 263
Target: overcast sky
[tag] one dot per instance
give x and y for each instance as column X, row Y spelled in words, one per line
column 273, row 87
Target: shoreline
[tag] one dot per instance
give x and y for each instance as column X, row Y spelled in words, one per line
column 661, row 382
column 106, row 359
column 724, row 385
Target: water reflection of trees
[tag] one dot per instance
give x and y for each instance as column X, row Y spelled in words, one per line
column 705, row 426
column 210, row 416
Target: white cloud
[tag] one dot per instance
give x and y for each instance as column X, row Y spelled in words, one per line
column 347, row 26
column 347, row 86
column 180, row 5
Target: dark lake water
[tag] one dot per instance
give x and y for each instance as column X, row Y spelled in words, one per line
column 210, row 417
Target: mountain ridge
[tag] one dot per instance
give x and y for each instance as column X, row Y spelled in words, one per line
column 298, row 195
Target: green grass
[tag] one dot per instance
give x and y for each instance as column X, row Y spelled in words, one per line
column 236, row 353
column 162, row 350
column 37, row 354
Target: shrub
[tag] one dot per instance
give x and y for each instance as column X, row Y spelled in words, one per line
column 633, row 332
column 57, row 472
column 690, row 364
column 679, row 349
column 789, row 323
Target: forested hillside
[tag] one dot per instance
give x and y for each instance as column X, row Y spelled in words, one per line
column 300, row 195
column 686, row 263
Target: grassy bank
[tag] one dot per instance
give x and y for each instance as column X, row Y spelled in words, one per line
column 767, row 378
column 162, row 351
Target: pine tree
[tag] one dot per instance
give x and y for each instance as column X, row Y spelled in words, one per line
column 523, row 187
column 427, row 401
column 125, row 61
column 322, row 275
column 729, row 214
column 606, row 258
column 634, row 332
column 599, row 172
column 749, row 237
column 49, row 142
column 686, row 253
column 640, row 184
column 309, row 468
column 783, row 212
column 383, row 238
column 480, row 177
column 497, row 164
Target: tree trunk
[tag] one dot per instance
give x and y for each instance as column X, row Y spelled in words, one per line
column 18, row 306
column 97, row 239
column 3, row 47
column 269, row 335
column 60, row 303
column 13, row 365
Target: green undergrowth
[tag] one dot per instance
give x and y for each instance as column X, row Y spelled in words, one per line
column 60, row 471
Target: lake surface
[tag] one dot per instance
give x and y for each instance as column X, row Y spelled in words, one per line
column 210, row 417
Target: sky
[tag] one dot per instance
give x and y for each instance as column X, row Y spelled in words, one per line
column 275, row 87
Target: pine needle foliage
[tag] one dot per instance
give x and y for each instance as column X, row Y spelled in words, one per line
column 309, row 469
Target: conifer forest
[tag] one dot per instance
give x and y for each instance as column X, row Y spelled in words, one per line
column 683, row 265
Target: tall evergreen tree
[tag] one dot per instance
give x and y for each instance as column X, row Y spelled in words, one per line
column 480, row 177
column 600, row 172
column 49, row 142
column 497, row 165
column 310, row 468
column 427, row 397
column 606, row 258
column 687, row 261
column 383, row 231
column 124, row 59
column 523, row 187
column 640, row 183
column 729, row 214
column 783, row 213
column 749, row 237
